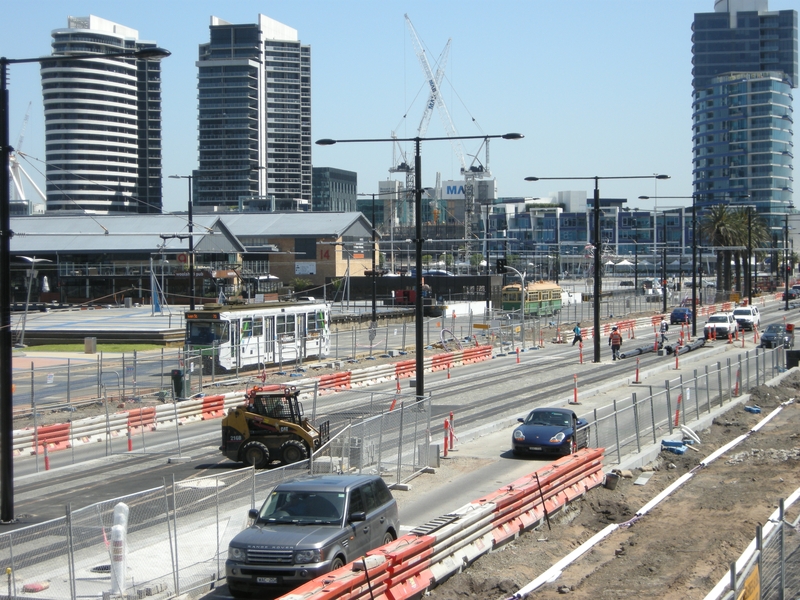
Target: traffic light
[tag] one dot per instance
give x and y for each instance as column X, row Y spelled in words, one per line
column 501, row 265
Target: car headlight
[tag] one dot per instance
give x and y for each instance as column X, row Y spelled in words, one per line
column 518, row 435
column 558, row 438
column 307, row 556
column 237, row 553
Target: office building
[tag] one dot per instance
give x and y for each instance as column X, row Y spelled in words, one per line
column 336, row 190
column 102, row 122
column 745, row 64
column 254, row 100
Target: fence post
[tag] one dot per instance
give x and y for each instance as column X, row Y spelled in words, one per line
column 760, row 556
column 69, row 381
column 380, row 443
column 696, row 396
column 175, row 527
column 719, row 383
column 216, row 508
column 669, row 405
column 758, row 373
column 636, row 421
column 70, row 553
column 33, row 397
column 169, row 535
column 747, row 367
column 653, row 415
column 730, row 380
column 616, row 434
column 400, row 442
column 782, row 547
column 708, row 389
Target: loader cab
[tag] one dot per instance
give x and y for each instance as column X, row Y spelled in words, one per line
column 278, row 406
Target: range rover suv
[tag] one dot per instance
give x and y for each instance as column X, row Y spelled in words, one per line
column 308, row 527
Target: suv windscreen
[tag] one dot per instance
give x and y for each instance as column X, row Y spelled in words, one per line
column 718, row 319
column 742, row 312
column 299, row 507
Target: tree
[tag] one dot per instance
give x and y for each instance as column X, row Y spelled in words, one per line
column 719, row 228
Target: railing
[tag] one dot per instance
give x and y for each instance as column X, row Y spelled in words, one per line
column 178, row 534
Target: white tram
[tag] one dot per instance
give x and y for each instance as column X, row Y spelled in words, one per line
column 252, row 335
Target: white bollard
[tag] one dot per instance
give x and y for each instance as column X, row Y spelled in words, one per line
column 119, row 548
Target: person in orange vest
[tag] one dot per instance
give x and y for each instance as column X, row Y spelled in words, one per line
column 615, row 341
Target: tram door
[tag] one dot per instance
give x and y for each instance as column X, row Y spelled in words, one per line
column 235, row 340
column 286, row 334
column 269, row 340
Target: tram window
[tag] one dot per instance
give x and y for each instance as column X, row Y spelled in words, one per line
column 258, row 326
column 247, row 327
column 315, row 322
column 207, row 333
column 284, row 325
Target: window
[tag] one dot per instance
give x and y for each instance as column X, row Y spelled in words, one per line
column 285, row 326
column 356, row 501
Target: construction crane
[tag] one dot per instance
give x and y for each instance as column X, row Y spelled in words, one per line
column 470, row 173
column 15, row 169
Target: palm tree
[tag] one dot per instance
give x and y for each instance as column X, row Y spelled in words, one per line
column 719, row 227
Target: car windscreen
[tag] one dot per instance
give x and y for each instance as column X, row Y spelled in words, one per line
column 303, row 508
column 742, row 312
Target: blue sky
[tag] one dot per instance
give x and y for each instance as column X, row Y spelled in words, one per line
column 597, row 87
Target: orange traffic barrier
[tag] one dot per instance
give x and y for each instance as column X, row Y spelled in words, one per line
column 142, row 417
column 441, row 362
column 335, row 382
column 213, row 407
column 405, row 368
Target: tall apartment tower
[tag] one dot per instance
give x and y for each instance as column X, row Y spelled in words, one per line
column 102, row 121
column 745, row 65
column 254, row 91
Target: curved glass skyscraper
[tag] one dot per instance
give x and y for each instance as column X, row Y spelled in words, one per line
column 745, row 66
column 102, row 122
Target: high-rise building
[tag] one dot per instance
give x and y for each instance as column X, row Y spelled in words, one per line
column 334, row 190
column 254, row 91
column 102, row 121
column 745, row 65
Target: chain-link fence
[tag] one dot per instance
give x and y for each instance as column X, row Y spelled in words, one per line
column 628, row 424
column 178, row 534
column 771, row 569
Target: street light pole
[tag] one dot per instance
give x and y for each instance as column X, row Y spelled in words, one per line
column 597, row 245
column 522, row 306
column 189, row 179
column 664, row 266
column 419, row 316
column 6, row 391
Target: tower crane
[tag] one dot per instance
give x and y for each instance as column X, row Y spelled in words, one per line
column 16, row 171
column 470, row 173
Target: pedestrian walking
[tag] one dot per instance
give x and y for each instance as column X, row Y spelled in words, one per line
column 663, row 329
column 615, row 341
column 578, row 337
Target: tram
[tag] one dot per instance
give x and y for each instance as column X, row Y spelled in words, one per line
column 249, row 336
column 542, row 298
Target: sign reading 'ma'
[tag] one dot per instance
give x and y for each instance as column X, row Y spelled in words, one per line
column 453, row 190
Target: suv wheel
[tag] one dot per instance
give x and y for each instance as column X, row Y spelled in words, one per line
column 337, row 563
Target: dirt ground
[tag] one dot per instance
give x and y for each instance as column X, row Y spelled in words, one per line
column 681, row 548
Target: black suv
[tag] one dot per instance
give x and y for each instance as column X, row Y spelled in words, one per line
column 308, row 527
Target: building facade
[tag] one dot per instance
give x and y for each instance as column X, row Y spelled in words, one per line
column 254, row 116
column 102, row 121
column 745, row 64
column 336, row 190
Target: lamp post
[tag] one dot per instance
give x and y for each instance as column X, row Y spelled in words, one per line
column 597, row 244
column 786, row 267
column 33, row 261
column 419, row 325
column 522, row 306
column 373, row 327
column 189, row 179
column 6, row 394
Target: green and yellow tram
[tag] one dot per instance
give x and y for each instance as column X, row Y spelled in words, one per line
column 542, row 298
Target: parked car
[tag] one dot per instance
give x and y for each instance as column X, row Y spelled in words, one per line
column 776, row 335
column 680, row 315
column 308, row 527
column 794, row 294
column 550, row 431
column 747, row 317
column 722, row 323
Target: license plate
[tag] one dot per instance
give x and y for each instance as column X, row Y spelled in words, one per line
column 267, row 579
column 535, row 449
